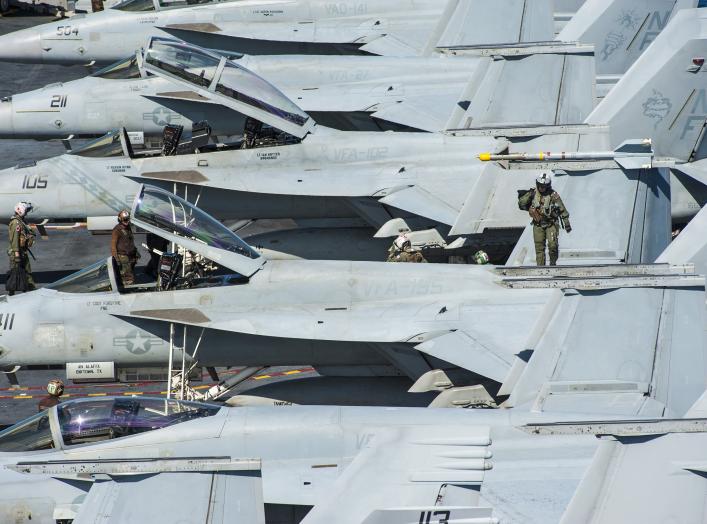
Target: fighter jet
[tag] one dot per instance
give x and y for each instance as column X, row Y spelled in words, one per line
column 344, row 92
column 342, row 317
column 133, row 459
column 308, row 171
column 383, row 27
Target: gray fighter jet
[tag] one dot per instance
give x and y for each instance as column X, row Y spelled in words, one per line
column 338, row 91
column 130, row 459
column 308, row 171
column 344, row 317
column 383, row 27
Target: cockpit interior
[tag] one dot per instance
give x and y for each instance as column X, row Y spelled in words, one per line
column 85, row 421
column 177, row 268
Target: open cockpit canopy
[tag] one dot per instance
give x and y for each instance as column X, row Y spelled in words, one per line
column 84, row 421
column 176, row 220
column 95, row 278
column 212, row 78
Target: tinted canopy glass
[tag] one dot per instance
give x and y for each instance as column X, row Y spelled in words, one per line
column 84, row 421
column 31, row 434
column 175, row 215
column 120, row 70
column 189, row 63
column 230, row 84
column 92, row 279
column 109, row 145
column 135, row 5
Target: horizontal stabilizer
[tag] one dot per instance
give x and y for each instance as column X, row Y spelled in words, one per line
column 427, row 113
column 423, row 203
column 695, row 170
column 699, row 408
column 690, row 246
column 463, row 350
column 390, row 45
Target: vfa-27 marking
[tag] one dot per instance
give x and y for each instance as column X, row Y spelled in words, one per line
column 58, row 101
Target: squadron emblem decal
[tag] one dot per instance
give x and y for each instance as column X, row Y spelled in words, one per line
column 657, row 107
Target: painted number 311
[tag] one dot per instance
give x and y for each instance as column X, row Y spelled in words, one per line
column 437, row 517
column 66, row 30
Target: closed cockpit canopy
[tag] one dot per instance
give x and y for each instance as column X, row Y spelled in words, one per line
column 84, row 421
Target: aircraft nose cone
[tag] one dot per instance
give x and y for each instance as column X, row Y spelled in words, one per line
column 6, row 125
column 21, row 46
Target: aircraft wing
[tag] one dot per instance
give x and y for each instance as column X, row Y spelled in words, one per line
column 631, row 479
column 187, row 490
column 397, row 477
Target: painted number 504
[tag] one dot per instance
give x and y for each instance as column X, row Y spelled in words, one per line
column 66, row 30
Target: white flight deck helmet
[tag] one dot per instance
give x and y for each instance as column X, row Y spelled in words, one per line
column 402, row 241
column 545, row 179
column 22, row 208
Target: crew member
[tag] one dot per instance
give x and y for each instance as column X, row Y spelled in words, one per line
column 21, row 239
column 122, row 247
column 55, row 388
column 481, row 257
column 401, row 251
column 547, row 211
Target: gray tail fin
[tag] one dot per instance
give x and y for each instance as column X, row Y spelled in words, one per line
column 490, row 22
column 663, row 96
column 479, row 23
column 508, row 91
column 505, row 90
column 620, row 30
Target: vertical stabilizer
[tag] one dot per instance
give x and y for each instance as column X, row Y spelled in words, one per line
column 508, row 91
column 490, row 22
column 663, row 96
column 620, row 29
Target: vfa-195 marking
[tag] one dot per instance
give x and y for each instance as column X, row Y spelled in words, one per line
column 58, row 101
